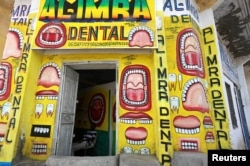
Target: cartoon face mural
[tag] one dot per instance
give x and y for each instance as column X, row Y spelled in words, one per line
column 5, row 80
column 189, row 54
column 141, row 36
column 97, row 109
column 51, row 35
column 13, row 44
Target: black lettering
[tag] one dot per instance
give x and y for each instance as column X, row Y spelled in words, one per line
column 213, row 70
column 166, row 158
column 166, row 145
column 206, row 31
column 16, row 101
column 72, row 33
column 82, row 33
column 174, row 19
column 216, row 94
column 214, row 81
column 163, row 95
column 160, row 41
column 162, row 85
column 164, row 111
column 15, row 109
column 162, row 74
column 212, row 61
column 218, row 104
column 164, row 123
column 18, row 88
column 26, row 48
column 7, row 140
column 165, row 135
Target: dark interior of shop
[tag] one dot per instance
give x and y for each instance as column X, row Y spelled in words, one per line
column 87, row 79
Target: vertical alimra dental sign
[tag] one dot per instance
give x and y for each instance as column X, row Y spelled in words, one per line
column 75, row 24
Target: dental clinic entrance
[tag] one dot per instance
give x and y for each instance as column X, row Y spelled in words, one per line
column 86, row 115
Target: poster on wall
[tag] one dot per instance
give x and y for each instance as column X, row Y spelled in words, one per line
column 95, row 24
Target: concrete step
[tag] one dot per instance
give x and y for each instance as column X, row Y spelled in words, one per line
column 121, row 160
column 189, row 159
column 81, row 161
column 29, row 162
column 138, row 160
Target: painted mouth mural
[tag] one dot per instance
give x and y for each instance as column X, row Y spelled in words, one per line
column 51, row 35
column 39, row 148
column 135, row 88
column 131, row 118
column 141, row 36
column 97, row 109
column 187, row 125
column 207, row 122
column 14, row 43
column 40, row 131
column 189, row 54
column 50, row 94
column 194, row 96
column 210, row 137
column 49, row 76
column 5, row 80
column 136, row 136
column 189, row 145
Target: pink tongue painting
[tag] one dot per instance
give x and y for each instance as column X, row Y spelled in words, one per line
column 1, row 84
column 49, row 77
column 135, row 95
column 51, row 36
column 192, row 58
column 135, row 88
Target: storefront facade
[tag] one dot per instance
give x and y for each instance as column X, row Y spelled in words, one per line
column 163, row 91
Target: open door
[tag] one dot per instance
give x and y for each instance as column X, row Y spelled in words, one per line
column 66, row 114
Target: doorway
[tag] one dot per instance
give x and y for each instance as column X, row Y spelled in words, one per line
column 86, row 121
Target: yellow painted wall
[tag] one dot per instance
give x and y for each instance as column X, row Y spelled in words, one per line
column 151, row 119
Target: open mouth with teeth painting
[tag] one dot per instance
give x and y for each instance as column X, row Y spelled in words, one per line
column 141, row 36
column 97, row 109
column 194, row 96
column 49, row 76
column 5, row 80
column 189, row 54
column 51, row 35
column 135, row 88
